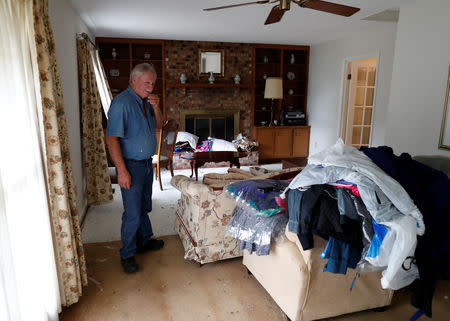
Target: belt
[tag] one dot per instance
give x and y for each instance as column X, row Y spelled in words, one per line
column 138, row 160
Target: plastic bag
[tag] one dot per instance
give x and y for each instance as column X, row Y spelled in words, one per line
column 255, row 231
column 262, row 197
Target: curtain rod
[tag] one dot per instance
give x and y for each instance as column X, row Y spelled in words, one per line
column 85, row 36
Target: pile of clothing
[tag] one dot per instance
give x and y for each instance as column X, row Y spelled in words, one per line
column 378, row 212
column 259, row 215
column 244, row 144
column 205, row 146
column 182, row 146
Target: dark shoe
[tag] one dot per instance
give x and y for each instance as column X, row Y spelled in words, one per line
column 129, row 265
column 151, row 245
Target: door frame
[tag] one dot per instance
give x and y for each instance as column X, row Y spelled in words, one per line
column 343, row 90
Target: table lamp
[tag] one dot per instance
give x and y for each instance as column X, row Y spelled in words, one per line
column 273, row 90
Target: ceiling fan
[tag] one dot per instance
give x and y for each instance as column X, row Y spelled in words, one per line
column 278, row 10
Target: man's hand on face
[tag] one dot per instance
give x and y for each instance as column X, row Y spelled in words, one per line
column 153, row 99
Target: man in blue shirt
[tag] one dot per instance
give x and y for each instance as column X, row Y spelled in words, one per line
column 133, row 117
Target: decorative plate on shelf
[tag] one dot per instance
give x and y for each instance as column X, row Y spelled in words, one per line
column 290, row 75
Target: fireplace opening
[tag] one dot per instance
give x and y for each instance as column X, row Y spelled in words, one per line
column 223, row 124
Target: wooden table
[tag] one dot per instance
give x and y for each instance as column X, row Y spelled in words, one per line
column 198, row 159
column 294, row 162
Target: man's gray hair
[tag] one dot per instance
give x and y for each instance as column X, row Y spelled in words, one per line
column 140, row 69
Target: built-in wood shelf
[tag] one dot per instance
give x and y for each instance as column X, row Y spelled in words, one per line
column 208, row 85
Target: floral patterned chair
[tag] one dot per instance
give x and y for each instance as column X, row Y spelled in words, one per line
column 204, row 212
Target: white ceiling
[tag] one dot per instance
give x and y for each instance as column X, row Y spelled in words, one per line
column 185, row 20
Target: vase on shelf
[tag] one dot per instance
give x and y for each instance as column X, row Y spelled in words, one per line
column 114, row 72
column 292, row 60
column 147, row 55
column 265, row 59
column 237, row 79
column 211, row 78
column 183, row 78
column 114, row 53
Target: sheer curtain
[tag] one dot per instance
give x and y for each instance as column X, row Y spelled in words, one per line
column 28, row 278
column 102, row 84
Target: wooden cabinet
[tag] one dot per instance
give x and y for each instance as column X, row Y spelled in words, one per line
column 300, row 142
column 120, row 55
column 290, row 63
column 277, row 143
column 287, row 62
column 282, row 146
column 265, row 139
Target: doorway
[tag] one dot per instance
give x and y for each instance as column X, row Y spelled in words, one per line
column 358, row 101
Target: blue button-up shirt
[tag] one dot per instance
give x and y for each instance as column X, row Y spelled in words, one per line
column 126, row 120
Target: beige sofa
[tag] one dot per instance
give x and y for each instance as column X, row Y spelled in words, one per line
column 204, row 211
column 294, row 279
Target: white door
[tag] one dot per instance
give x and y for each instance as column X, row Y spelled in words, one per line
column 356, row 126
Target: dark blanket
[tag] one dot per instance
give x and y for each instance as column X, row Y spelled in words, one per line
column 430, row 191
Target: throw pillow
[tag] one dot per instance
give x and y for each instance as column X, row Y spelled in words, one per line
column 220, row 145
column 187, row 137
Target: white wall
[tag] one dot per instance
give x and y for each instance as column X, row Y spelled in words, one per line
column 65, row 24
column 419, row 78
column 326, row 77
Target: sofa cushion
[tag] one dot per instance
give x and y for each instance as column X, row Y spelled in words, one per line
column 218, row 181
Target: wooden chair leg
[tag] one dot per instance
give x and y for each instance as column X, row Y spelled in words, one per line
column 171, row 168
column 159, row 176
column 155, row 171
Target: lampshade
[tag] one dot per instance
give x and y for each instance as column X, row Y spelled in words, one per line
column 274, row 88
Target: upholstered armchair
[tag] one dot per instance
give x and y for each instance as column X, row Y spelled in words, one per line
column 204, row 212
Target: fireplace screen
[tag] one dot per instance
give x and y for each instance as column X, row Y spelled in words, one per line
column 222, row 124
column 217, row 127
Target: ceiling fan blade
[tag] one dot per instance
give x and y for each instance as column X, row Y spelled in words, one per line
column 275, row 15
column 329, row 7
column 237, row 5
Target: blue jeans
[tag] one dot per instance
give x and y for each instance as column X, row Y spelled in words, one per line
column 137, row 202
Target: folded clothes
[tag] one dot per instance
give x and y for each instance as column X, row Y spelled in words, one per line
column 259, row 195
column 205, row 146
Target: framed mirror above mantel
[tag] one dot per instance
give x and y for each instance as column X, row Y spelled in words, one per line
column 211, row 60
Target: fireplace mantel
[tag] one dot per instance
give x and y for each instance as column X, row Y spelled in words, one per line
column 208, row 85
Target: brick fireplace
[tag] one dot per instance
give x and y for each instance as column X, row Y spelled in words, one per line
column 182, row 57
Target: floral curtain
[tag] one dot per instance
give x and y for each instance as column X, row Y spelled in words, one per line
column 69, row 251
column 98, row 182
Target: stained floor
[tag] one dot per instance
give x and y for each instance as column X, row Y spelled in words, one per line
column 169, row 288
